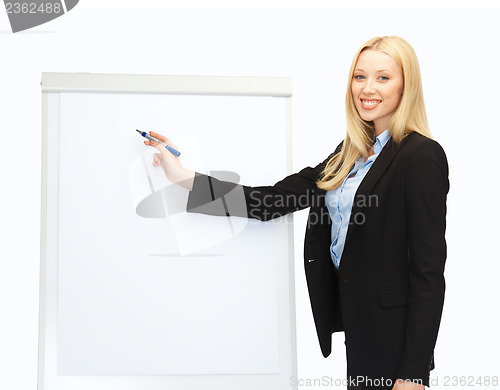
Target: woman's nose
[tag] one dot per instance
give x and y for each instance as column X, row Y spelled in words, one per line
column 368, row 88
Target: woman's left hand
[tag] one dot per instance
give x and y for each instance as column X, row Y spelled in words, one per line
column 402, row 384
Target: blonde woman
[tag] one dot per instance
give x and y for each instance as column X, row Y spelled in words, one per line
column 375, row 248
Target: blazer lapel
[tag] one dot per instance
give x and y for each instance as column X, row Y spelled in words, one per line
column 366, row 185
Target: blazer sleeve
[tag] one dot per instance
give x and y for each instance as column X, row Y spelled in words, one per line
column 219, row 197
column 426, row 189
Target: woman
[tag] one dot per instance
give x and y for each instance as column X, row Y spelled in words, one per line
column 375, row 244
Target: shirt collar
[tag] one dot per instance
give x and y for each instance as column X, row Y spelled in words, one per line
column 381, row 141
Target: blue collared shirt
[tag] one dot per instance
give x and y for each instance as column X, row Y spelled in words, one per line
column 339, row 201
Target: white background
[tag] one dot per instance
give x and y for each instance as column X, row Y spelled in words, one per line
column 457, row 51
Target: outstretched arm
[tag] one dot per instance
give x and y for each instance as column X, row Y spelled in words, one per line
column 217, row 197
column 295, row 192
column 209, row 195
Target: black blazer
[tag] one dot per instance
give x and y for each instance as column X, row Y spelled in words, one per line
column 388, row 294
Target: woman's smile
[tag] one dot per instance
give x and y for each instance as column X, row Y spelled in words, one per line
column 370, row 104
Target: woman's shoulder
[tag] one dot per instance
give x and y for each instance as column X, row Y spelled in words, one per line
column 416, row 145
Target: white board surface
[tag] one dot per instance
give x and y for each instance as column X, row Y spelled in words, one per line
column 170, row 297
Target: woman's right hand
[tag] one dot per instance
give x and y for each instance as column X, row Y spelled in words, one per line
column 171, row 164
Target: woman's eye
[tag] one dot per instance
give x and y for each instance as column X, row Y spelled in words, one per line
column 361, row 77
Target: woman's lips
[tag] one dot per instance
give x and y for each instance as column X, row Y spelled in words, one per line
column 370, row 104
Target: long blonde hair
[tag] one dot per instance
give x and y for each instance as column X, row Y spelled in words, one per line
column 410, row 115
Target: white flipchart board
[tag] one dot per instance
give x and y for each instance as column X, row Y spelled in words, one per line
column 138, row 294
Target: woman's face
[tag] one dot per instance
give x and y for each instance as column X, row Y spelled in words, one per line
column 377, row 87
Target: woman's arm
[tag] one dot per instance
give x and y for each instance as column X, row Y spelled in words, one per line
column 295, row 192
column 209, row 195
column 218, row 197
column 426, row 188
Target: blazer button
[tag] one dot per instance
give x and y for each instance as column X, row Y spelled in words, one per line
column 344, row 276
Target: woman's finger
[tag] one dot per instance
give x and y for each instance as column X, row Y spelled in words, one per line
column 163, row 139
column 158, row 145
column 159, row 136
column 154, row 144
